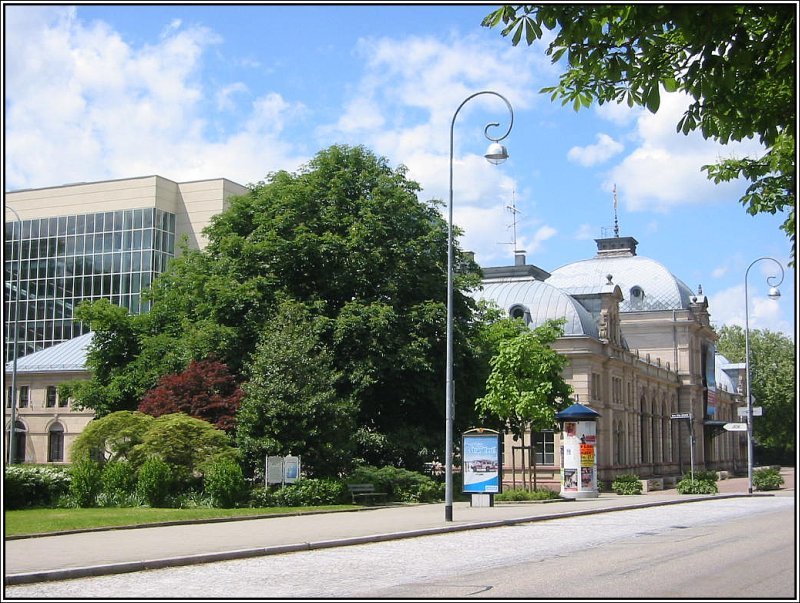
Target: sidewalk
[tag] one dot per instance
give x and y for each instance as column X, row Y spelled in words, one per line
column 115, row 551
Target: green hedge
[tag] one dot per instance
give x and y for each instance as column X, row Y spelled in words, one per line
column 34, row 485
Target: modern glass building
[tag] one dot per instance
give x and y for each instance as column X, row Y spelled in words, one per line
column 91, row 241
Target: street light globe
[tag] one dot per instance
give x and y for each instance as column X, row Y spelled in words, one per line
column 496, row 153
column 774, row 293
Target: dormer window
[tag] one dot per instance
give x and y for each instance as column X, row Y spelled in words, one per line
column 637, row 296
column 520, row 311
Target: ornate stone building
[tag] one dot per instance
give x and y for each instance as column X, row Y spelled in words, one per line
column 641, row 353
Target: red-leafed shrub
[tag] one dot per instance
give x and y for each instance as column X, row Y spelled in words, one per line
column 205, row 390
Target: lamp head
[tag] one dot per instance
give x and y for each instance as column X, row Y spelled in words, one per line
column 496, row 153
column 774, row 293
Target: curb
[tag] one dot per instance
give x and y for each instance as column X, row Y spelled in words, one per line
column 135, row 566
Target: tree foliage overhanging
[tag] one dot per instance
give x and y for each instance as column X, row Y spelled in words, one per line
column 347, row 245
column 736, row 62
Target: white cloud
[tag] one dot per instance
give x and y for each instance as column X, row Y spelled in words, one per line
column 225, row 95
column 585, row 232
column 727, row 307
column 664, row 169
column 719, row 271
column 124, row 110
column 590, row 155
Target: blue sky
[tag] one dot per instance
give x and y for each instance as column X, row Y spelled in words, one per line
column 95, row 92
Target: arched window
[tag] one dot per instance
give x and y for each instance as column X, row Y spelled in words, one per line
column 55, row 444
column 19, row 441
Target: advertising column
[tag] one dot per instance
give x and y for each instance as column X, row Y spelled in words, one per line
column 578, row 452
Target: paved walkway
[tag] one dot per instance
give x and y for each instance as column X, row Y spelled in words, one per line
column 114, row 551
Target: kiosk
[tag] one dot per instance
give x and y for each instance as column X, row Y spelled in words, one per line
column 578, row 451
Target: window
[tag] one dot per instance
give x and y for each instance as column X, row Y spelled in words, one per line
column 23, row 396
column 55, row 446
column 595, row 392
column 544, row 446
column 51, row 396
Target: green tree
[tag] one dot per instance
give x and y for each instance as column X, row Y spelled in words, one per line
column 347, row 237
column 773, row 381
column 291, row 405
column 736, row 62
column 114, row 345
column 110, row 438
column 185, row 444
column 525, row 388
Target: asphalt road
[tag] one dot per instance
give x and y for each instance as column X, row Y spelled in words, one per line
column 731, row 548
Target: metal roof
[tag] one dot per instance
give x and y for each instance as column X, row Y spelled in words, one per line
column 543, row 302
column 645, row 283
column 63, row 357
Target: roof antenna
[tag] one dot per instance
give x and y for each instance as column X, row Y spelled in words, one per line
column 514, row 211
column 616, row 222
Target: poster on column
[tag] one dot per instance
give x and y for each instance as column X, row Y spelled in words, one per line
column 481, row 469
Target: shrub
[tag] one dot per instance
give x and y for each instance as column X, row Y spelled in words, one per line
column 520, row 494
column 399, row 484
column 706, row 476
column 118, row 484
column 697, row 486
column 155, row 482
column 86, row 482
column 627, row 483
column 186, row 444
column 767, row 479
column 224, row 482
column 310, row 492
column 34, row 486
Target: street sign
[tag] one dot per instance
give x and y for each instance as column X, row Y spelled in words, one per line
column 758, row 411
column 680, row 415
column 735, row 426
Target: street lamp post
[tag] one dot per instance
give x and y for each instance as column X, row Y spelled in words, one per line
column 11, row 435
column 496, row 154
column 773, row 294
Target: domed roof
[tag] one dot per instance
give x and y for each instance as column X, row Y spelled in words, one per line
column 645, row 283
column 542, row 302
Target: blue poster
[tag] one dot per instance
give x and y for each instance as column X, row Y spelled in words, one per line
column 481, row 467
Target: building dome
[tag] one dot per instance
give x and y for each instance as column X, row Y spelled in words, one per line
column 646, row 284
column 537, row 302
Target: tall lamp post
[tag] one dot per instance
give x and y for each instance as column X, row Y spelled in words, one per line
column 773, row 294
column 12, row 444
column 496, row 154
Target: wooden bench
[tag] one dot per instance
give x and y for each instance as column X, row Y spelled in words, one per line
column 365, row 492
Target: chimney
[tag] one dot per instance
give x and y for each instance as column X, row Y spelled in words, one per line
column 519, row 258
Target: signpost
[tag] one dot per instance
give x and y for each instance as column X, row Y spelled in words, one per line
column 758, row 411
column 735, row 426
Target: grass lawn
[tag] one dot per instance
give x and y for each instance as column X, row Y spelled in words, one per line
column 40, row 521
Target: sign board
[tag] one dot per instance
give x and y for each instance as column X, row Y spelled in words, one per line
column 680, row 415
column 758, row 411
column 282, row 469
column 291, row 469
column 274, row 470
column 735, row 426
column 481, row 470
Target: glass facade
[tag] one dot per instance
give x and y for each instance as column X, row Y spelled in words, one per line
column 68, row 259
